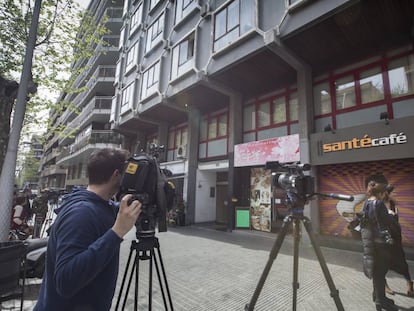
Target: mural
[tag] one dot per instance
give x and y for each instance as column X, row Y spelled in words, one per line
column 260, row 191
column 349, row 179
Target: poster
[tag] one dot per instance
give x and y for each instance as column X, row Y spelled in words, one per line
column 260, row 196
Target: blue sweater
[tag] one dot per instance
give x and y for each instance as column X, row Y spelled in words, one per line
column 82, row 256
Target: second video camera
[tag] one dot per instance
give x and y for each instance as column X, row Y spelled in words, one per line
column 290, row 177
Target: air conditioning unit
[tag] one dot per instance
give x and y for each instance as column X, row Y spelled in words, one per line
column 181, row 152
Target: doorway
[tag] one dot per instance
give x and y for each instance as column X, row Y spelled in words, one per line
column 221, row 208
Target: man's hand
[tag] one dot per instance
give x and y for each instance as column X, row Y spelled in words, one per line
column 127, row 216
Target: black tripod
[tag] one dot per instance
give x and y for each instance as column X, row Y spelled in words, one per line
column 144, row 247
column 296, row 216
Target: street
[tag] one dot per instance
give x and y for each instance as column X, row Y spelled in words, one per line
column 209, row 269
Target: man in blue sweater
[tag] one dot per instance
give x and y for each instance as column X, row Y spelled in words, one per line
column 83, row 249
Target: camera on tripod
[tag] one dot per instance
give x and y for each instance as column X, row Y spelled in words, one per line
column 147, row 182
column 291, row 178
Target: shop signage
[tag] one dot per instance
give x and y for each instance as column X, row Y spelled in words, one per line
column 365, row 142
column 282, row 149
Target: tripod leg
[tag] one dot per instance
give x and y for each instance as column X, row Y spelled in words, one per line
column 295, row 284
column 272, row 256
column 136, row 283
column 322, row 262
column 123, row 280
column 163, row 280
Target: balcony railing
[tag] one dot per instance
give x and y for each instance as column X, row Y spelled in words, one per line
column 98, row 104
column 95, row 137
column 52, row 170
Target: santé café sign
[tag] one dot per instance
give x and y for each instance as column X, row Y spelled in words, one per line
column 365, row 142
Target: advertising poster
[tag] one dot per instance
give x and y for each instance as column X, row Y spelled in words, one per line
column 260, row 196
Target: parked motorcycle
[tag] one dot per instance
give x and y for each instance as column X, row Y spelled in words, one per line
column 35, row 258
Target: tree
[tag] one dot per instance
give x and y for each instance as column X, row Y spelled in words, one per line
column 48, row 67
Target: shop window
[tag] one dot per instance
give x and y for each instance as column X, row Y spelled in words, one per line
column 279, row 110
column 154, row 33
column 183, row 8
column 249, row 118
column 183, row 57
column 232, row 21
column 322, row 98
column 293, row 107
column 345, row 92
column 177, row 137
column 401, row 76
column 371, row 85
column 263, row 115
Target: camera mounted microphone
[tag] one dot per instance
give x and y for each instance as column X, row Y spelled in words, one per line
column 342, row 197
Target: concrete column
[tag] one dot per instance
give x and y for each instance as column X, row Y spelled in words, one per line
column 163, row 139
column 194, row 119
column 235, row 131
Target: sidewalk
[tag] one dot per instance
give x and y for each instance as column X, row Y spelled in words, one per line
column 210, row 270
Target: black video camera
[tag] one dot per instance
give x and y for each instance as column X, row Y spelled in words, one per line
column 290, row 177
column 147, row 182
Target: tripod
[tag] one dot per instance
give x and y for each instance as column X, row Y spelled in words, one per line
column 296, row 216
column 144, row 247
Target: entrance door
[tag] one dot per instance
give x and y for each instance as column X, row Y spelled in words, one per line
column 221, row 208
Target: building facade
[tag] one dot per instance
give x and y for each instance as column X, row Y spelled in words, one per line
column 228, row 85
column 85, row 120
column 215, row 80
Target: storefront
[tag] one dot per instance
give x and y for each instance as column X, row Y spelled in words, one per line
column 346, row 157
column 251, row 158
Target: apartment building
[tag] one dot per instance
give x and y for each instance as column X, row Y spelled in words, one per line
column 228, row 85
column 86, row 119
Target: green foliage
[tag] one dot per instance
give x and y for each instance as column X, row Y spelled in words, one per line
column 58, row 53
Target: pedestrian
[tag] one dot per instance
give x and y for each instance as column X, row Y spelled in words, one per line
column 377, row 240
column 398, row 260
column 18, row 222
column 83, row 250
column 40, row 208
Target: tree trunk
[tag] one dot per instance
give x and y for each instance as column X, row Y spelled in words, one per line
column 8, row 94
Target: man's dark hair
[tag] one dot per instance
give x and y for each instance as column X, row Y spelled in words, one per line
column 103, row 162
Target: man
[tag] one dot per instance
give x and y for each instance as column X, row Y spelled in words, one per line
column 83, row 249
column 40, row 208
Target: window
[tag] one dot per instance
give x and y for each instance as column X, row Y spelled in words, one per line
column 125, row 9
column 279, row 110
column 249, row 118
column 183, row 57
column 263, row 115
column 150, row 80
column 401, row 76
column 214, row 126
column 177, row 136
column 127, row 96
column 293, row 107
column 121, row 38
column 132, row 57
column 233, row 21
column 322, row 98
column 153, row 4
column 136, row 19
column 371, row 85
column 154, row 33
column 183, row 8
column 345, row 92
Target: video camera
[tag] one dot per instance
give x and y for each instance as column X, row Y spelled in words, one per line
column 147, row 182
column 290, row 177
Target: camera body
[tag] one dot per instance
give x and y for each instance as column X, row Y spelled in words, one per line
column 291, row 178
column 147, row 182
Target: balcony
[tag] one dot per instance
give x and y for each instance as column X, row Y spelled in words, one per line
column 52, row 170
column 84, row 146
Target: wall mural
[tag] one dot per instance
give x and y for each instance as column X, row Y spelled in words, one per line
column 350, row 179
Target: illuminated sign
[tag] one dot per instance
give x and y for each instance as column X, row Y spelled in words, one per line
column 365, row 142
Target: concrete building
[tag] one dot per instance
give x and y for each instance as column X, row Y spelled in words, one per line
column 86, row 117
column 326, row 82
column 228, row 85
